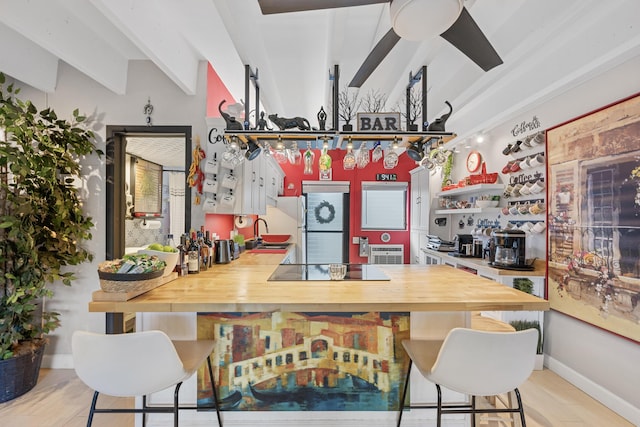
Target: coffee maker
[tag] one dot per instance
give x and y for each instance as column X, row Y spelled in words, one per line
column 463, row 245
column 507, row 250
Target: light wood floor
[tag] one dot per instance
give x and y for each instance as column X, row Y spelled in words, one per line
column 61, row 399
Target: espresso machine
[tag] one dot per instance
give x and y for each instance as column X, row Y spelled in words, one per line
column 507, row 250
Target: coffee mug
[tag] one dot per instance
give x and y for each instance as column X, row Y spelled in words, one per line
column 536, row 209
column 505, row 210
column 537, row 160
column 515, row 167
column 525, row 189
column 440, row 221
column 516, row 190
column 538, row 227
column 537, row 186
column 507, row 191
column 507, row 168
column 538, row 139
column 526, row 227
column 513, row 210
column 524, row 163
column 523, row 209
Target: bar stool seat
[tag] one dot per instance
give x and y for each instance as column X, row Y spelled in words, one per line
column 475, row 363
column 139, row 364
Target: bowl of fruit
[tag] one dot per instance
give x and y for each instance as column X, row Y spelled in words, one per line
column 166, row 253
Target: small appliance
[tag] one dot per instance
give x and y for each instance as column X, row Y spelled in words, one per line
column 463, row 245
column 435, row 243
column 507, row 250
column 223, row 251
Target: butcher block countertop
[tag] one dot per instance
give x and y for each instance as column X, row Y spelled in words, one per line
column 242, row 286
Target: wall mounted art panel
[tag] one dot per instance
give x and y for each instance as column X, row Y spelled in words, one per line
column 594, row 218
column 280, row 361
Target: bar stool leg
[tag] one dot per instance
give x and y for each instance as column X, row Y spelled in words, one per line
column 215, row 393
column 404, row 393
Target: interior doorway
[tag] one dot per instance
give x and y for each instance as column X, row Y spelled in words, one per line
column 168, row 147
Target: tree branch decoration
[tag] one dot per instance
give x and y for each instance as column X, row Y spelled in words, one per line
column 415, row 106
column 374, row 102
column 348, row 105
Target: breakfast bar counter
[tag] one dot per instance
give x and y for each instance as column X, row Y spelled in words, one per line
column 243, row 286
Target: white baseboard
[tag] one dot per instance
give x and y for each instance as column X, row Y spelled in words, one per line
column 604, row 396
column 57, row 361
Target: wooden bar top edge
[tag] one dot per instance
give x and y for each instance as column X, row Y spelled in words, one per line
column 243, row 286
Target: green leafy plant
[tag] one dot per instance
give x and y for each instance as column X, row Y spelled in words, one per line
column 42, row 224
column 523, row 284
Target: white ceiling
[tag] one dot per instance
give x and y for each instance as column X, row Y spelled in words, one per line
column 546, row 46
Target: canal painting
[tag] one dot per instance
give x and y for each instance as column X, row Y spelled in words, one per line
column 281, row 361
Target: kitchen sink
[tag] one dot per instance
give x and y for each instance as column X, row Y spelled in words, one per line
column 269, row 247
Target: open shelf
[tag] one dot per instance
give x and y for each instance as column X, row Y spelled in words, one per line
column 469, row 189
column 467, row 211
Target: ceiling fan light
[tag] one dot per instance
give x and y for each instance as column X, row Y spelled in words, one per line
column 418, row 20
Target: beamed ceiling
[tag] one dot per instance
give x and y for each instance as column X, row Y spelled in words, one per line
column 546, row 45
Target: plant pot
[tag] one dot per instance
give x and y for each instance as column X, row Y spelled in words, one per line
column 347, row 128
column 19, row 374
column 412, row 128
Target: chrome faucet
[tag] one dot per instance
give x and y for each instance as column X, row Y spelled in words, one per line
column 256, row 227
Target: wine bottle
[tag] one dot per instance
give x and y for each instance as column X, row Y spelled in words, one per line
column 209, row 243
column 204, row 252
column 182, row 267
column 194, row 255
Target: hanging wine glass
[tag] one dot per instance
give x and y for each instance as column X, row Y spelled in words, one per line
column 363, row 156
column 308, row 158
column 294, row 155
column 324, row 163
column 377, row 152
column 390, row 156
column 279, row 153
column 349, row 161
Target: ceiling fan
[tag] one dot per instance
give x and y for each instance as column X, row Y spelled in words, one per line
column 411, row 20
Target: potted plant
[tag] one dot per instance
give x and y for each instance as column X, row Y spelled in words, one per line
column 42, row 226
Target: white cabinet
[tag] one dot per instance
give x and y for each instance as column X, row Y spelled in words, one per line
column 257, row 182
column 252, row 191
column 419, row 199
column 417, row 241
column 274, row 180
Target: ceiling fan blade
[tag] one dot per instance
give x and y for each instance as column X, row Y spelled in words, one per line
column 468, row 38
column 269, row 7
column 375, row 57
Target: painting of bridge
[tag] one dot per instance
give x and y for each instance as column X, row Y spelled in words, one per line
column 306, row 361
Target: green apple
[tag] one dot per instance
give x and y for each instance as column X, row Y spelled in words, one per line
column 155, row 247
column 169, row 249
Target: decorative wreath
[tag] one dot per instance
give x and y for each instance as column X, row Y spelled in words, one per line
column 327, row 219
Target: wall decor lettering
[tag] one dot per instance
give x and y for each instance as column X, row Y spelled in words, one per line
column 526, row 127
column 378, row 121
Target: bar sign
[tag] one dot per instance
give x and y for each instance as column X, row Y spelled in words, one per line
column 386, row 177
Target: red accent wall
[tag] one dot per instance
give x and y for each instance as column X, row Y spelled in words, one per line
column 216, row 92
column 294, row 177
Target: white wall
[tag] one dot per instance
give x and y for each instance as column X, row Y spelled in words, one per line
column 601, row 363
column 75, row 90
